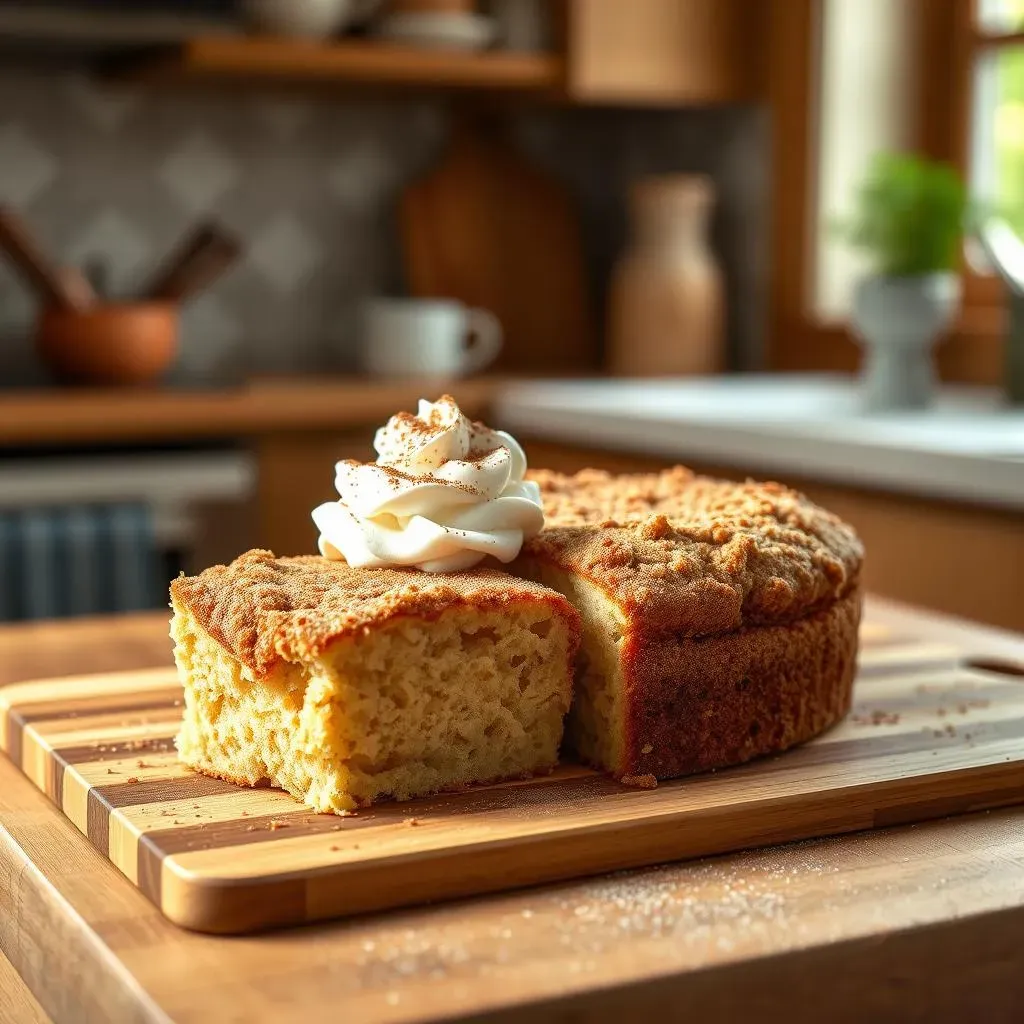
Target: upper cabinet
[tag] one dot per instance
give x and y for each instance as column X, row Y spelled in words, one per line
column 663, row 52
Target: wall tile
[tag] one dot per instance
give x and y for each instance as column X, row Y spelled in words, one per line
column 26, row 168
column 307, row 185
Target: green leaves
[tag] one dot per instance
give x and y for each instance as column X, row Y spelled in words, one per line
column 909, row 216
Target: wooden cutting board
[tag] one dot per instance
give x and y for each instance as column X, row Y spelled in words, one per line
column 930, row 735
column 490, row 229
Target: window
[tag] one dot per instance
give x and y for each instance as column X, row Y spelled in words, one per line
column 996, row 133
column 849, row 77
column 864, row 106
column 874, row 95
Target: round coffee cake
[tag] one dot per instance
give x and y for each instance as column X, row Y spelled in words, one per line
column 720, row 618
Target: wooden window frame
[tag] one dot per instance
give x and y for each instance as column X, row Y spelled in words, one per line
column 969, row 41
column 946, row 43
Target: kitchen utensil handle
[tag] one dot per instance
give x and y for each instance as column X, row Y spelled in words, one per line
column 204, row 256
column 37, row 270
column 488, row 337
column 78, row 289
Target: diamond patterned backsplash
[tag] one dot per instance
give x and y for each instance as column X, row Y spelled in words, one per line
column 119, row 176
column 310, row 186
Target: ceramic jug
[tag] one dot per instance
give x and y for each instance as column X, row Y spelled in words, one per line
column 665, row 313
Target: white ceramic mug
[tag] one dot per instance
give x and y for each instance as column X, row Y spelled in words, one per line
column 427, row 338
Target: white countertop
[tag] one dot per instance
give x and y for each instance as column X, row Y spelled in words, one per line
column 968, row 447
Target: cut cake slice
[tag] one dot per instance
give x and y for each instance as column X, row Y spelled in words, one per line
column 346, row 686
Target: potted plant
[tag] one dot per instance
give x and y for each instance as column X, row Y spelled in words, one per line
column 909, row 220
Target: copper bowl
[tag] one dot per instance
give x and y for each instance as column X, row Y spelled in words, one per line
column 131, row 343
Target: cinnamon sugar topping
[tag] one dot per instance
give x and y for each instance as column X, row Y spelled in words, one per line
column 709, row 555
column 262, row 608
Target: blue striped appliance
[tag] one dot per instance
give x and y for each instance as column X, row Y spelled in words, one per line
column 72, row 560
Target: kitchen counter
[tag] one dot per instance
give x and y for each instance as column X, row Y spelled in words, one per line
column 920, row 922
column 967, row 448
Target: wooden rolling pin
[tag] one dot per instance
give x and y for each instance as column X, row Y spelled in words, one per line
column 60, row 289
column 203, row 256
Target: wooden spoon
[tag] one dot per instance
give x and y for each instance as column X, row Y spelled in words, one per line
column 203, row 256
column 62, row 290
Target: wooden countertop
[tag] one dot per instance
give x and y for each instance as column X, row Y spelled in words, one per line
column 919, row 922
column 125, row 416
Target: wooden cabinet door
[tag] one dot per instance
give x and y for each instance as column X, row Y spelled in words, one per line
column 670, row 52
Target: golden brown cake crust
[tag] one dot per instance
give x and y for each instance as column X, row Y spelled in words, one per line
column 693, row 556
column 262, row 608
column 700, row 703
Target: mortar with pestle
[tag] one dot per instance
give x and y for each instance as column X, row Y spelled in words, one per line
column 86, row 340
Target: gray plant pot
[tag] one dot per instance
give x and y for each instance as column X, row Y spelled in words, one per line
column 898, row 320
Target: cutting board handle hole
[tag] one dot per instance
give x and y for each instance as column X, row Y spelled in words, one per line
column 1003, row 668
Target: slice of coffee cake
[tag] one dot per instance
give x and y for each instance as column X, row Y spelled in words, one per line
column 344, row 686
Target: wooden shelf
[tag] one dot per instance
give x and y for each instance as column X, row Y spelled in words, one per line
column 93, row 416
column 254, row 59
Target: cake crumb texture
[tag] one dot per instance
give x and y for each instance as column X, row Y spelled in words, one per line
column 347, row 686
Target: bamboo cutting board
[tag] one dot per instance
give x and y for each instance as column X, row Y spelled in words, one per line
column 931, row 734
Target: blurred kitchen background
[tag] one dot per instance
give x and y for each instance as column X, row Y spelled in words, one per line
column 238, row 235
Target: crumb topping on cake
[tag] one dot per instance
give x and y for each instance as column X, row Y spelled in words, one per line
column 262, row 608
column 692, row 555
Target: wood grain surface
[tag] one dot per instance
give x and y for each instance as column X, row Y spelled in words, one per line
column 912, row 923
column 17, row 1004
column 931, row 734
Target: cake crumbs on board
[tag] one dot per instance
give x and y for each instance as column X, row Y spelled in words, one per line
column 877, row 717
column 640, row 781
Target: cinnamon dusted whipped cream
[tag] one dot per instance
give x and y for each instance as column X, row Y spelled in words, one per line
column 443, row 493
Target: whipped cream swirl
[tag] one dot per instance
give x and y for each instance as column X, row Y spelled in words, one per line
column 443, row 493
